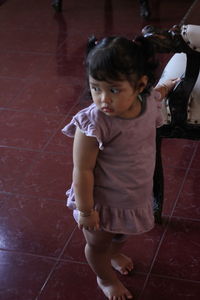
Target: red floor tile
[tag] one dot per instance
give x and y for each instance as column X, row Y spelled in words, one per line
column 21, row 65
column 14, row 164
column 179, row 255
column 178, row 153
column 70, row 281
column 62, row 68
column 75, row 249
column 196, row 161
column 48, row 97
column 170, row 288
column 188, row 202
column 52, row 166
column 10, row 88
column 60, row 142
column 24, row 17
column 34, row 226
column 173, row 180
column 21, row 275
column 26, row 129
column 73, row 281
column 142, row 248
column 29, row 40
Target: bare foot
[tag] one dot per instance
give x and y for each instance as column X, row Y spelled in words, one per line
column 114, row 291
column 122, row 263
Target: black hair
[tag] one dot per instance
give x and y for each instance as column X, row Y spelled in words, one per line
column 118, row 58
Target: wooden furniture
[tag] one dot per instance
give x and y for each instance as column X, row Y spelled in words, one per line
column 57, row 5
column 144, row 7
column 182, row 106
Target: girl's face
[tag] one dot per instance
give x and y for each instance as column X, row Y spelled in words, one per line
column 117, row 98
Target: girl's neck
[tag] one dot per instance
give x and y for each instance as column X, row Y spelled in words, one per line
column 135, row 109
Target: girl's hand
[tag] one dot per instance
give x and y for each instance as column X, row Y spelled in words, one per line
column 165, row 87
column 170, row 84
column 90, row 222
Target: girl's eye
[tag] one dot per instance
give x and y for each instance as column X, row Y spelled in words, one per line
column 95, row 89
column 114, row 90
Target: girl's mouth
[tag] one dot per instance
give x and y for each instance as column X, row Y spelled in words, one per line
column 107, row 109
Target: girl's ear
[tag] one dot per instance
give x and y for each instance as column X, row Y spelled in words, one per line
column 142, row 83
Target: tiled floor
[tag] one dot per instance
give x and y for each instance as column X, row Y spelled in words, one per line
column 41, row 83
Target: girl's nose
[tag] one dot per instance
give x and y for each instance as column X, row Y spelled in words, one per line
column 105, row 98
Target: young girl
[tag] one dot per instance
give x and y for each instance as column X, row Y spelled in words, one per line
column 114, row 154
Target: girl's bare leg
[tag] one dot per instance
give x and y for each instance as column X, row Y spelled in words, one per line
column 98, row 255
column 119, row 261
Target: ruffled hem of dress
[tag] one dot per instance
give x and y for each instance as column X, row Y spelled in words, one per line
column 119, row 220
column 125, row 221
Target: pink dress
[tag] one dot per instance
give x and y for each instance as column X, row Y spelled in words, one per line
column 123, row 184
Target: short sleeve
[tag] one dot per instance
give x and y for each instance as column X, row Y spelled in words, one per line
column 91, row 123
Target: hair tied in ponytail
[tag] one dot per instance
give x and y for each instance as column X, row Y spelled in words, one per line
column 92, row 42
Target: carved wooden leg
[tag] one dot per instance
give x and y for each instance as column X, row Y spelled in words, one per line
column 144, row 9
column 57, row 5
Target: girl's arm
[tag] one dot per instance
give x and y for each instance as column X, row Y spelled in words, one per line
column 85, row 151
column 165, row 87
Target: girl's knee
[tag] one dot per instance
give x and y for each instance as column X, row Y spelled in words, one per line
column 97, row 248
column 100, row 245
column 98, row 240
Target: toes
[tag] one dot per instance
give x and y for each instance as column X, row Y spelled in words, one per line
column 125, row 272
column 129, row 296
column 122, row 264
column 130, row 269
column 123, row 297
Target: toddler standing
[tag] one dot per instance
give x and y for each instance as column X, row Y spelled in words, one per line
column 114, row 154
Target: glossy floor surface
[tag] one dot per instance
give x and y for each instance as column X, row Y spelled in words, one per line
column 41, row 87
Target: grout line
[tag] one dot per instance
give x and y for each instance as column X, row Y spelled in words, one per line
column 168, row 223
column 32, row 196
column 184, row 179
column 155, row 256
column 34, row 150
column 59, row 126
column 59, row 152
column 49, row 257
column 20, row 148
column 55, row 265
column 28, row 254
column 176, row 278
column 182, row 218
column 154, row 259
column 17, row 94
column 182, row 22
column 30, row 111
